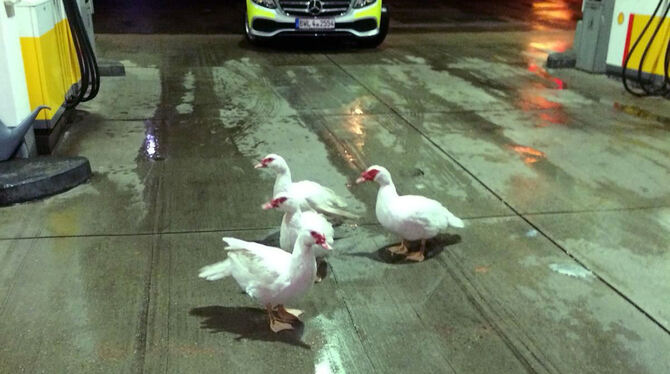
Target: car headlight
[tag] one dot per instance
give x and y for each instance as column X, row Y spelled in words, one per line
column 362, row 3
column 266, row 3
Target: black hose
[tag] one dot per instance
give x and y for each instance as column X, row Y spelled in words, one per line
column 72, row 101
column 92, row 62
column 650, row 90
column 632, row 50
column 666, row 81
column 89, row 84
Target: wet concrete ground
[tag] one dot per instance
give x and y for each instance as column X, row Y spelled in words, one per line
column 561, row 177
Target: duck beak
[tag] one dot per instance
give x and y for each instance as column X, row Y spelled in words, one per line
column 360, row 180
column 267, row 206
column 326, row 246
column 259, row 165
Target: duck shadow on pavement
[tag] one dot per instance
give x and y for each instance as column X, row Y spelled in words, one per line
column 246, row 323
column 434, row 247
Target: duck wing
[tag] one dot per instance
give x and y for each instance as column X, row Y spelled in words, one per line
column 321, row 199
column 251, row 264
column 426, row 212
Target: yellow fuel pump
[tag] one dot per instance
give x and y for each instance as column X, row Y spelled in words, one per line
column 46, row 62
column 638, row 44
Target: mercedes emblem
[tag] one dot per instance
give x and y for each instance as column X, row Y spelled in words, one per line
column 314, row 7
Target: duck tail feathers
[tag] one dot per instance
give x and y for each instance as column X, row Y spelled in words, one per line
column 216, row 271
column 455, row 221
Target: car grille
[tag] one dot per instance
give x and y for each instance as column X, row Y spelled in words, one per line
column 328, row 8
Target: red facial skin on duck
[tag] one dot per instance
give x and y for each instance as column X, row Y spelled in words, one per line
column 264, row 163
column 368, row 175
column 274, row 203
column 320, row 239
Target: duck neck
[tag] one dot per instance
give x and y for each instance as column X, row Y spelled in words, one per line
column 302, row 254
column 282, row 181
column 387, row 191
column 293, row 216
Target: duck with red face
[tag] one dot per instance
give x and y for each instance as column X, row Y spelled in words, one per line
column 271, row 275
column 411, row 217
column 296, row 221
column 312, row 195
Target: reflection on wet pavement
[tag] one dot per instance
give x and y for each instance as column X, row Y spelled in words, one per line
column 530, row 155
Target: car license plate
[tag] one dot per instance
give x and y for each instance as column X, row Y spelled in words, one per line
column 315, row 23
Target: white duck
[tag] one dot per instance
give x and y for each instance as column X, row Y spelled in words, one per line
column 411, row 217
column 271, row 275
column 296, row 221
column 316, row 197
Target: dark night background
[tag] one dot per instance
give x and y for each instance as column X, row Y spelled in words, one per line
column 224, row 16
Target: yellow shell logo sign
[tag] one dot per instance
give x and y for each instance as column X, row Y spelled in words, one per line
column 620, row 18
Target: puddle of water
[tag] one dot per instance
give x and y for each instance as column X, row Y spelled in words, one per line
column 419, row 77
column 572, row 270
column 151, row 146
column 186, row 105
column 329, row 359
column 416, row 60
column 663, row 219
column 489, row 69
column 531, row 233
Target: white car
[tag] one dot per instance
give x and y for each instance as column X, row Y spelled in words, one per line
column 364, row 20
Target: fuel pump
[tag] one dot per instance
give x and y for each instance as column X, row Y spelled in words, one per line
column 639, row 48
column 47, row 66
column 623, row 38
